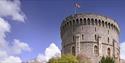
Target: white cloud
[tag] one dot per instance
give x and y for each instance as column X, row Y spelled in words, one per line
column 5, row 48
column 51, row 51
column 122, row 50
column 3, row 54
column 19, row 46
column 4, row 25
column 11, row 59
column 4, row 28
column 12, row 9
column 41, row 58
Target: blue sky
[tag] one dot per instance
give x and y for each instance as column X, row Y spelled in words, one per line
column 43, row 19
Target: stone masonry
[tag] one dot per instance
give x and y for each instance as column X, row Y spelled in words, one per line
column 91, row 34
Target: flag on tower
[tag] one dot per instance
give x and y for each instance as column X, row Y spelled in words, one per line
column 77, row 5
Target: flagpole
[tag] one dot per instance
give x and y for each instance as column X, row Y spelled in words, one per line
column 77, row 6
column 75, row 10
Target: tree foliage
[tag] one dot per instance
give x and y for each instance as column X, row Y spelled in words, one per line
column 68, row 58
column 107, row 60
column 64, row 59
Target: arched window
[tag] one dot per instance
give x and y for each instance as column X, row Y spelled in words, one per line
column 73, row 50
column 108, row 39
column 96, row 21
column 99, row 22
column 103, row 23
column 88, row 21
column 67, row 23
column 77, row 21
column 92, row 21
column 73, row 21
column 108, row 51
column 73, row 38
column 84, row 21
column 80, row 20
column 96, row 50
column 70, row 22
column 95, row 37
column 106, row 24
column 82, row 37
column 109, row 25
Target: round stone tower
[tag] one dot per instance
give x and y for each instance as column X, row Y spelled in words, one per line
column 91, row 34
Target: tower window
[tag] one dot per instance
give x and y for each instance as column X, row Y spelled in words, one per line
column 77, row 21
column 84, row 21
column 95, row 37
column 109, row 25
column 96, row 50
column 70, row 22
column 106, row 24
column 103, row 23
column 67, row 23
column 73, row 21
column 82, row 37
column 92, row 21
column 99, row 23
column 96, row 21
column 80, row 20
column 73, row 51
column 108, row 51
column 108, row 39
column 73, row 38
column 88, row 21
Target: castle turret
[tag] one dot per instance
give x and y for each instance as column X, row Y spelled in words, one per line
column 91, row 34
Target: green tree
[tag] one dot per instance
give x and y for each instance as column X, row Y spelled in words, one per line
column 53, row 60
column 107, row 60
column 68, row 58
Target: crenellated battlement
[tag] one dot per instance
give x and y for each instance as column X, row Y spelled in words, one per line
column 90, row 19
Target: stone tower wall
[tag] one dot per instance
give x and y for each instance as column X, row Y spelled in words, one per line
column 92, row 30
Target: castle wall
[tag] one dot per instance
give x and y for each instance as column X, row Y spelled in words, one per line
column 89, row 27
